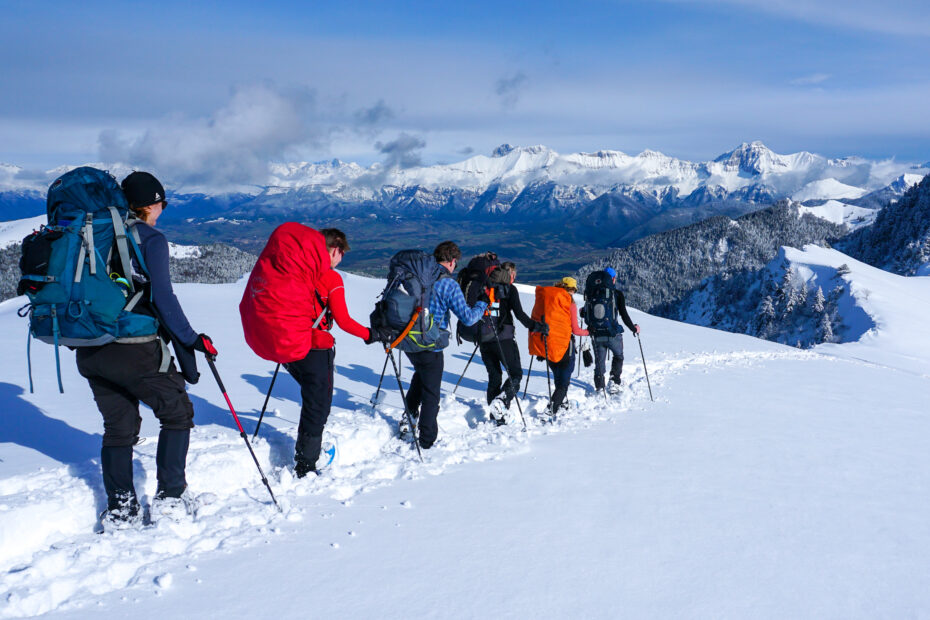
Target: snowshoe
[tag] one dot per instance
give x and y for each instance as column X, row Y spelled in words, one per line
column 613, row 387
column 173, row 509
column 126, row 517
column 327, row 455
column 403, row 430
column 303, row 467
column 497, row 411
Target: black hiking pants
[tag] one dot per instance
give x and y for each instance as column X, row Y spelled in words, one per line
column 120, row 377
column 424, row 393
column 601, row 345
column 561, row 377
column 494, row 357
column 314, row 373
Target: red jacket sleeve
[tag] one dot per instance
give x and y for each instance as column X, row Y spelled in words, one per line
column 576, row 328
column 337, row 305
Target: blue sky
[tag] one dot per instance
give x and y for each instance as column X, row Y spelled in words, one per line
column 233, row 84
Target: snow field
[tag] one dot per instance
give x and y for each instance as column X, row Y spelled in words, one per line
column 763, row 481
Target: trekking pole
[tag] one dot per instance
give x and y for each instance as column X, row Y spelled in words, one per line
column 389, row 349
column 466, row 368
column 267, row 396
column 516, row 395
column 578, row 358
column 528, row 373
column 548, row 381
column 374, row 399
column 242, row 433
column 403, row 397
column 644, row 367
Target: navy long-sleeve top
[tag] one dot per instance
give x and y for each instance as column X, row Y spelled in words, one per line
column 154, row 247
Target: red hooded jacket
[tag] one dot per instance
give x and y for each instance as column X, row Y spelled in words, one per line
column 280, row 303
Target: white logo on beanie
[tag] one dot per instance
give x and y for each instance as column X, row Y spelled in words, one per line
column 157, row 197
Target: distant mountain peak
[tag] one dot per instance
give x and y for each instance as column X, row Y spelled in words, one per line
column 753, row 158
column 502, row 150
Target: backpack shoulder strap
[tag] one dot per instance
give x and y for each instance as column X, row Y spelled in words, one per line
column 122, row 247
column 135, row 242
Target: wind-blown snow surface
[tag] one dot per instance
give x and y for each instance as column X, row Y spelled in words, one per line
column 763, row 482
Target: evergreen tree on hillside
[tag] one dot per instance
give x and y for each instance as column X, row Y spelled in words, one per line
column 899, row 239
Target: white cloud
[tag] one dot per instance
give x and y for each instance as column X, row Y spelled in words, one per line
column 232, row 146
column 811, row 80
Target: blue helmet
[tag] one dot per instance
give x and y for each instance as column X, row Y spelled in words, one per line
column 611, row 272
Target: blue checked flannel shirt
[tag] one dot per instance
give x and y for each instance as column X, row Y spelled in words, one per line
column 448, row 296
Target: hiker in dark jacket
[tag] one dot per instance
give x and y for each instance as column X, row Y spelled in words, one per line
column 504, row 306
column 612, row 342
column 424, row 393
column 121, row 375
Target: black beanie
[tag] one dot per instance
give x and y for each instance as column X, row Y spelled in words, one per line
column 142, row 189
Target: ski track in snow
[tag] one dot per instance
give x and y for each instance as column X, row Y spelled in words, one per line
column 65, row 563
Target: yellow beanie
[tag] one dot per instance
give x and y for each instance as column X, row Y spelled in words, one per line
column 570, row 282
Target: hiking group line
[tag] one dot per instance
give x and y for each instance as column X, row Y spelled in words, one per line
column 97, row 280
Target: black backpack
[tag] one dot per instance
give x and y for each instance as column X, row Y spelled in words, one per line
column 600, row 312
column 411, row 276
column 473, row 280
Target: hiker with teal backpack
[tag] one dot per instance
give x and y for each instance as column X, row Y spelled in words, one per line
column 97, row 280
column 604, row 302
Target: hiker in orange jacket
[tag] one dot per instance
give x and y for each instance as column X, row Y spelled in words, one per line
column 556, row 307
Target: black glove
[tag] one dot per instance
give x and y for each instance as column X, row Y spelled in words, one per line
column 204, row 344
column 379, row 334
column 483, row 296
column 540, row 327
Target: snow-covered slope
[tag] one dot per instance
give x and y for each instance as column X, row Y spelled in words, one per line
column 827, row 189
column 889, row 322
column 764, row 481
column 15, row 230
column 842, row 213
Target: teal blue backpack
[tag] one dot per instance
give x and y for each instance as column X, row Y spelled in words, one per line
column 77, row 270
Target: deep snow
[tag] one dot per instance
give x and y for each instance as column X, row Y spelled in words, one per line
column 764, row 481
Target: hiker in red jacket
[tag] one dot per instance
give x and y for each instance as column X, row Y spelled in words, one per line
column 293, row 297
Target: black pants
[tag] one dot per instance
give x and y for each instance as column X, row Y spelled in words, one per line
column 121, row 376
column 314, row 373
column 491, row 355
column 561, row 377
column 601, row 346
column 423, row 395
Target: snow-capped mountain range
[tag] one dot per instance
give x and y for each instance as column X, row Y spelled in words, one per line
column 598, row 200
column 751, row 171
